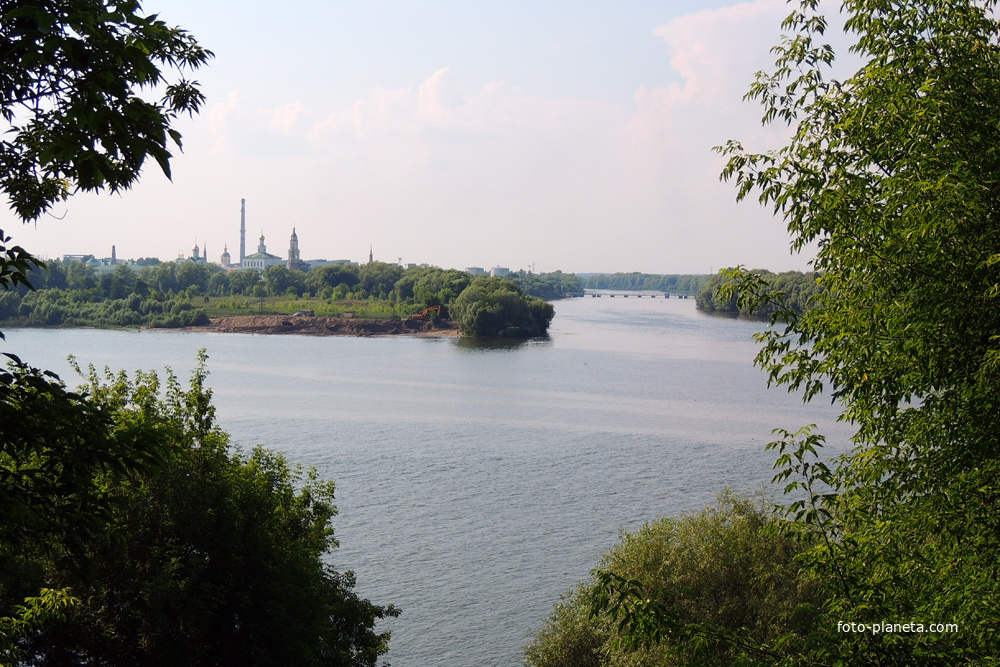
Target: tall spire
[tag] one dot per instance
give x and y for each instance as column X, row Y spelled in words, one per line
column 293, row 251
column 371, row 257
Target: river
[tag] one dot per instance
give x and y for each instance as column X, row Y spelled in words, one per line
column 478, row 482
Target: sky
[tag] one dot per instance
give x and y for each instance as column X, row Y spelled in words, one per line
column 537, row 135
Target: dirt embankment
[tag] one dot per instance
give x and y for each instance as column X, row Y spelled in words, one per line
column 327, row 326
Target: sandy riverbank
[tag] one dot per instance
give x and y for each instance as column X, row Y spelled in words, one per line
column 327, row 326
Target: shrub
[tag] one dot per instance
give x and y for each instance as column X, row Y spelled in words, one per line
column 727, row 567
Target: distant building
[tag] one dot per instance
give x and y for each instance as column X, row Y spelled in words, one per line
column 475, row 270
column 83, row 259
column 226, row 258
column 261, row 259
column 316, row 263
column 196, row 255
column 104, row 264
column 498, row 271
column 293, row 251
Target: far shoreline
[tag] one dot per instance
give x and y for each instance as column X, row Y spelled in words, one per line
column 293, row 325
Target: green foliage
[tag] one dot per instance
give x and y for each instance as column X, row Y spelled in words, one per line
column 672, row 283
column 789, row 291
column 53, row 445
column 242, row 281
column 698, row 589
column 497, row 307
column 56, row 450
column 71, row 91
column 895, row 173
column 15, row 264
column 71, row 294
column 547, row 286
column 378, row 279
column 215, row 559
column 427, row 286
column 280, row 280
column 332, row 276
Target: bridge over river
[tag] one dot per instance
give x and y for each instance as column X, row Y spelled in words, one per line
column 627, row 294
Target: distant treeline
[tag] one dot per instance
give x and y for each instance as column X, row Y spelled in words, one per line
column 548, row 286
column 673, row 283
column 174, row 294
column 796, row 290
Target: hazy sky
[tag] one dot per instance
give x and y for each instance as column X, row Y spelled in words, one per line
column 563, row 135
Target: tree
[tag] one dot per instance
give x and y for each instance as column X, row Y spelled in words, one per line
column 895, row 174
column 218, row 284
column 331, row 276
column 71, row 82
column 123, row 281
column 190, row 274
column 279, row 280
column 497, row 307
column 378, row 278
column 425, row 286
column 216, row 559
column 56, row 450
column 242, row 281
column 70, row 89
column 724, row 567
column 790, row 290
column 15, row 264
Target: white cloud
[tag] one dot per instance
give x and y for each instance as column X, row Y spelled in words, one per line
column 285, row 119
column 218, row 121
column 715, row 53
column 435, row 105
column 431, row 102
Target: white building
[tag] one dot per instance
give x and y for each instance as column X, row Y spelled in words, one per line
column 261, row 259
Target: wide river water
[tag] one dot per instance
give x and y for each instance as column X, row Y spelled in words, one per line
column 478, row 482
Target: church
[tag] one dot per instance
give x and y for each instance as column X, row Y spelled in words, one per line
column 262, row 259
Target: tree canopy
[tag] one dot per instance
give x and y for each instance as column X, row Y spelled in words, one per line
column 894, row 175
column 165, row 544
column 789, row 290
column 130, row 531
column 74, row 89
column 498, row 307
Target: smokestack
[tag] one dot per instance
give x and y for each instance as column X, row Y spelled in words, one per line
column 243, row 230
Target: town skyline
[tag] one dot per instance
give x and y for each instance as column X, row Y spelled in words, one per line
column 199, row 251
column 570, row 138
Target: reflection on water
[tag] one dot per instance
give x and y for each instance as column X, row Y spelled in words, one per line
column 500, row 344
column 478, row 480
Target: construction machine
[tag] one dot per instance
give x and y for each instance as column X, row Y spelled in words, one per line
column 427, row 311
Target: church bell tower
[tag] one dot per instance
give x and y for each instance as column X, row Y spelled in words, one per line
column 293, row 251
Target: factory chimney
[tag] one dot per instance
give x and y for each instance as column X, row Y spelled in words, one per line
column 243, row 230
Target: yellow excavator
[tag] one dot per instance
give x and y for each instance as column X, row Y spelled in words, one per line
column 427, row 311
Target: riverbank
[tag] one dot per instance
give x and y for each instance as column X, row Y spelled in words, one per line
column 326, row 326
